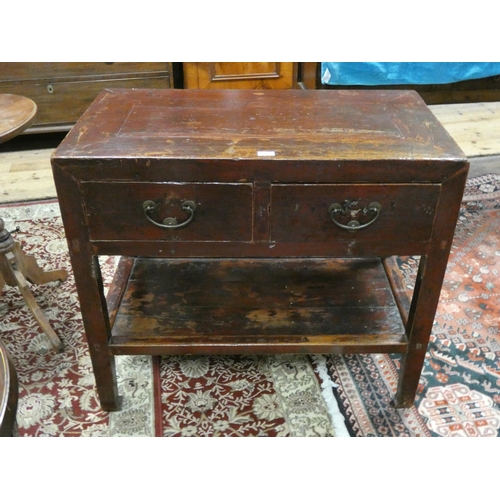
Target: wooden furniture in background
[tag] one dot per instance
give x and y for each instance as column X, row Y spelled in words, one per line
column 258, row 222
column 16, row 114
column 240, row 75
column 466, row 91
column 62, row 91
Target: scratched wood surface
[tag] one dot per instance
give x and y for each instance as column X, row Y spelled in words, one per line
column 219, row 305
column 247, row 125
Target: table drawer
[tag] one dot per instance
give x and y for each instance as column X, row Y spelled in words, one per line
column 323, row 213
column 117, row 211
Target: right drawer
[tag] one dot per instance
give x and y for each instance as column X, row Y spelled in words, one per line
column 322, row 213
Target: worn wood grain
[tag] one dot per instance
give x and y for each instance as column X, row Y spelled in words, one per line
column 213, row 303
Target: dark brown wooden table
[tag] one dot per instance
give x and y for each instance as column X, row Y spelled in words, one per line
column 258, row 222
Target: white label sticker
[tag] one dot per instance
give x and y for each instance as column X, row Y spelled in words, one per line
column 266, row 153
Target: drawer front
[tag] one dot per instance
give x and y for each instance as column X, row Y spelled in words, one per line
column 64, row 102
column 366, row 212
column 116, row 211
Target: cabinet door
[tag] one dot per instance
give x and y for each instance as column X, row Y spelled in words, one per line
column 240, row 75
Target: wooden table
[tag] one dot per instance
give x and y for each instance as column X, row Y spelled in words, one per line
column 18, row 113
column 8, row 394
column 258, row 222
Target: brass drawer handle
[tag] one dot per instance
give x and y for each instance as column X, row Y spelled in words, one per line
column 170, row 222
column 336, row 209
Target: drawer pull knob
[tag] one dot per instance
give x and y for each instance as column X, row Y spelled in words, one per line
column 170, row 222
column 335, row 209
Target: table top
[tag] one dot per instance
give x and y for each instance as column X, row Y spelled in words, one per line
column 17, row 113
column 260, row 124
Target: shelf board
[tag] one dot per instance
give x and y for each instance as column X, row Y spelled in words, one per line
column 254, row 306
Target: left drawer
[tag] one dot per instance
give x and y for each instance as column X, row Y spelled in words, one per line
column 117, row 211
column 63, row 91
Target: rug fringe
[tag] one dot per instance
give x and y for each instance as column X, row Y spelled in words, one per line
column 327, row 386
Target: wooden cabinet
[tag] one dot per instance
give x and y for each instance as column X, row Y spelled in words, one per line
column 63, row 91
column 298, row 199
column 240, row 75
column 8, row 394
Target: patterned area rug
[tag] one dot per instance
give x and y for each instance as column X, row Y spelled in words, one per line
column 195, row 396
column 459, row 390
column 247, row 396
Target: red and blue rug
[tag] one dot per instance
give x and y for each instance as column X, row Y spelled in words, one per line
column 459, row 390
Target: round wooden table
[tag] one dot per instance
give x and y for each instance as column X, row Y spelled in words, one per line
column 17, row 114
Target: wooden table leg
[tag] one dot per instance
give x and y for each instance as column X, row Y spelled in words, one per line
column 10, row 264
column 427, row 291
column 88, row 280
column 32, row 272
column 15, row 268
column 97, row 327
column 419, row 327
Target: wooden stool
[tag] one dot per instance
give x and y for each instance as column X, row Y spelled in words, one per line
column 17, row 113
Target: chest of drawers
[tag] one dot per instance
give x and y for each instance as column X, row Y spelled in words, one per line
column 63, row 90
column 258, row 222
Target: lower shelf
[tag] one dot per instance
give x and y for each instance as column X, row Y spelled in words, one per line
column 254, row 306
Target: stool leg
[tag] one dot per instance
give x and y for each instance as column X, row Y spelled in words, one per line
column 10, row 264
column 29, row 268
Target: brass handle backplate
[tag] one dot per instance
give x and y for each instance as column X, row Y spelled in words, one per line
column 170, row 222
column 351, row 208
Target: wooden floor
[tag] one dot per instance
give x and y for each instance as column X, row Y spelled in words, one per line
column 25, row 172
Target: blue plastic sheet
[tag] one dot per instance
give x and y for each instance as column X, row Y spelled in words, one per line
column 404, row 73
